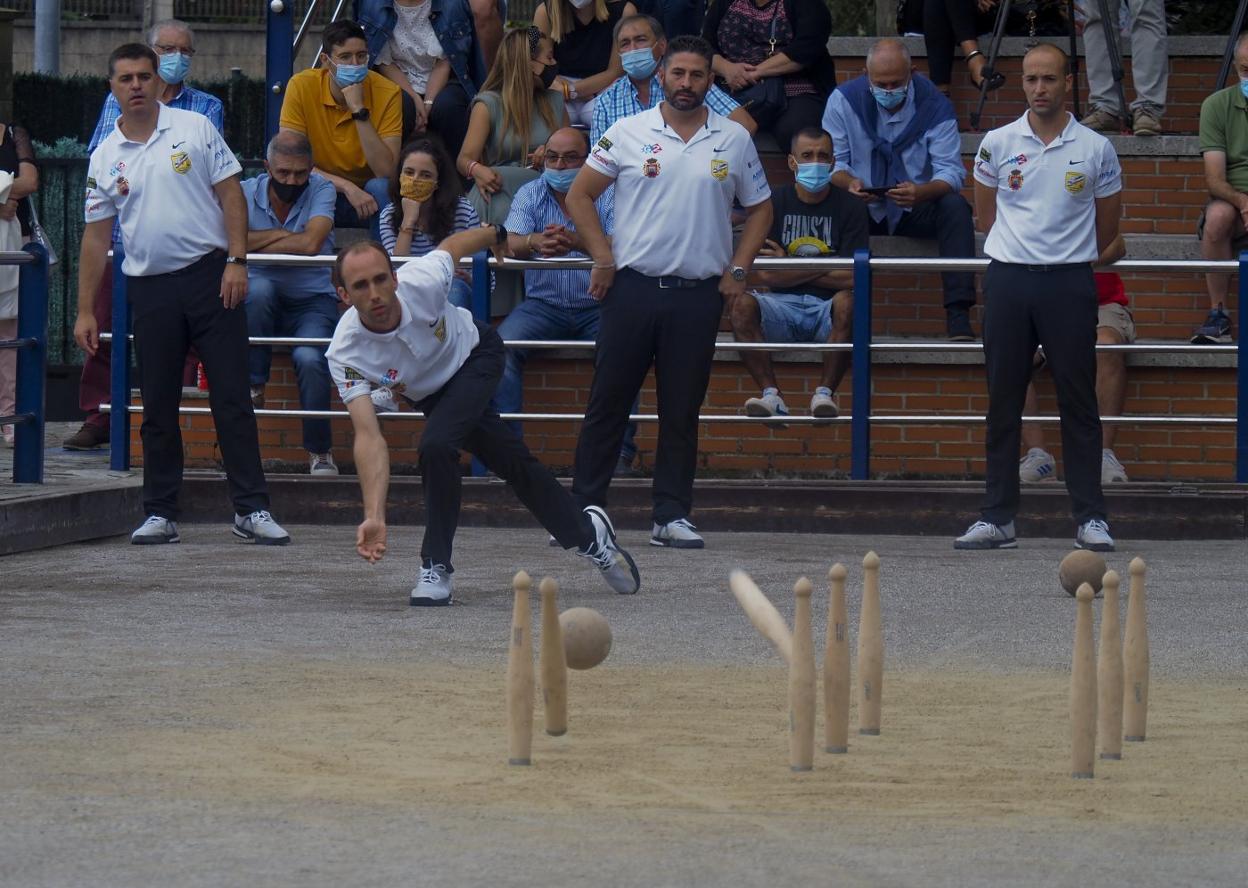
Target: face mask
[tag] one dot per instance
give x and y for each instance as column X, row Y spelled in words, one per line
column 639, row 63
column 1243, row 87
column 174, row 67
column 889, row 99
column 348, row 75
column 288, row 193
column 814, row 176
column 560, row 180
column 416, row 189
column 549, row 73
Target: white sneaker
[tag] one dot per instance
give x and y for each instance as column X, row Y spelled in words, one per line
column 678, row 534
column 770, row 404
column 260, row 528
column 1094, row 535
column 1112, row 471
column 616, row 565
column 823, row 404
column 257, row 397
column 322, row 464
column 1037, row 465
column 986, row 535
column 434, row 588
column 155, row 530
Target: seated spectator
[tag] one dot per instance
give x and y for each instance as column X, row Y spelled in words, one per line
column 19, row 178
column 1114, row 326
column 810, row 219
column 400, row 28
column 290, row 209
column 1224, row 145
column 641, row 42
column 950, row 24
column 426, row 208
column 892, row 129
column 174, row 44
column 677, row 17
column 353, row 118
column 584, row 49
column 773, row 55
column 557, row 303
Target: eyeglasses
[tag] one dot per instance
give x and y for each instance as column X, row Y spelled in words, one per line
column 568, row 159
column 166, row 48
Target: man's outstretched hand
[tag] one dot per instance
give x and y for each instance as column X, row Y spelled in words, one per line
column 370, row 540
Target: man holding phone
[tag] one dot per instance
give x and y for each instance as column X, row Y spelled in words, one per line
column 897, row 148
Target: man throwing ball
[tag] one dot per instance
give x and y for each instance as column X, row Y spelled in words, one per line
column 401, row 338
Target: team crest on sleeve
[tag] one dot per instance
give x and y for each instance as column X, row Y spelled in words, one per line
column 1076, row 182
column 719, row 168
column 984, row 154
column 604, row 143
column 181, row 162
column 352, row 373
column 91, row 183
column 650, row 169
column 1015, row 180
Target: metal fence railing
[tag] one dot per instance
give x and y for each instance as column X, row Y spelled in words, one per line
column 226, row 11
column 861, row 418
column 32, row 361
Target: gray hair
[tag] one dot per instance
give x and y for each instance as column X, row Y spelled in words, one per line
column 889, row 43
column 655, row 26
column 171, row 25
column 288, row 143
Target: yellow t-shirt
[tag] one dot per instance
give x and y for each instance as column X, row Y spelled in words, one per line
column 309, row 108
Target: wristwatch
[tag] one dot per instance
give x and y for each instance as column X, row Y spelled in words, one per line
column 235, row 260
column 737, row 272
column 362, row 114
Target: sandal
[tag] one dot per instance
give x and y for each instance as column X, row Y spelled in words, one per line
column 996, row 81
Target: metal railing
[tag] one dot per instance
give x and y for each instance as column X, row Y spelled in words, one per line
column 32, row 361
column 861, row 419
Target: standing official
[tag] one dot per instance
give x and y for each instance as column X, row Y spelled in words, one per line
column 172, row 183
column 1048, row 190
column 677, row 169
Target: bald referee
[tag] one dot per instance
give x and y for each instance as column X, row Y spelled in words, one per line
column 1048, row 191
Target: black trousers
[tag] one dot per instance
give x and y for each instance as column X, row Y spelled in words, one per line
column 947, row 220
column 459, row 417
column 799, row 112
column 448, row 116
column 946, row 23
column 171, row 313
column 1056, row 309
column 674, row 330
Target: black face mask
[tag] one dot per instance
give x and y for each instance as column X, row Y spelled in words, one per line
column 549, row 73
column 288, row 194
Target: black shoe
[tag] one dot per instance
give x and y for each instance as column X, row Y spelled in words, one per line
column 958, row 325
column 624, row 468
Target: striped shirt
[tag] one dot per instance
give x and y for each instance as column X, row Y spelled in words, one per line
column 465, row 218
column 532, row 209
column 187, row 99
column 620, row 100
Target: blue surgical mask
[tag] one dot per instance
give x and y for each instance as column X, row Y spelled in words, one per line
column 1243, row 87
column 560, row 180
column 347, row 75
column 813, row 176
column 888, row 99
column 639, row 63
column 174, row 67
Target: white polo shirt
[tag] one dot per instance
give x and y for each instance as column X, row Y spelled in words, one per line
column 1046, row 194
column 420, row 355
column 672, row 198
column 161, row 190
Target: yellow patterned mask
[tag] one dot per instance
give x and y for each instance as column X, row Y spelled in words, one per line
column 416, row 189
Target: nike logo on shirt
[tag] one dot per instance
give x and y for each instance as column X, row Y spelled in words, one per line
column 179, row 144
column 1071, row 162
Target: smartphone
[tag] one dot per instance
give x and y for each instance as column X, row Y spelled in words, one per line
column 878, row 192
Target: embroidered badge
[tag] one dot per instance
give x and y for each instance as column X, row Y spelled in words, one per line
column 1075, row 182
column 1017, row 160
column 719, row 168
column 656, row 148
column 352, row 373
column 123, row 185
column 181, row 162
column 650, row 169
column 91, row 183
column 1015, row 180
column 985, row 154
column 604, row 143
column 439, row 331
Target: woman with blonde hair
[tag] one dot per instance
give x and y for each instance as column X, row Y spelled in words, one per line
column 583, row 32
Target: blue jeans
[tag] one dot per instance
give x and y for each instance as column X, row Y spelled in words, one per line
column 794, row 317
column 345, row 215
column 532, row 320
column 273, row 310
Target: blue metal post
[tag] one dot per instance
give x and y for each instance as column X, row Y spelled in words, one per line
column 119, row 370
column 279, row 63
column 32, row 366
column 1241, row 376
column 860, row 421
column 480, row 311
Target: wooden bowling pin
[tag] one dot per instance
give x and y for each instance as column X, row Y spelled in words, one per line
column 1109, row 671
column 762, row 613
column 1135, row 659
column 870, row 649
column 551, row 663
column 520, row 674
column 1083, row 688
column 802, row 683
column 836, row 666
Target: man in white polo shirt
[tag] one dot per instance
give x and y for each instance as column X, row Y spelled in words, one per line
column 1048, row 190
column 676, row 169
column 403, row 338
column 171, row 181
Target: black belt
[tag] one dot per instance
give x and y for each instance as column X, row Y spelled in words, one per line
column 1047, row 268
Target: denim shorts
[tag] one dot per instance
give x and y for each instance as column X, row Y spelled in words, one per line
column 794, row 317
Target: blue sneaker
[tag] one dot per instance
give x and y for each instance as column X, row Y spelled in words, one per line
column 1216, row 330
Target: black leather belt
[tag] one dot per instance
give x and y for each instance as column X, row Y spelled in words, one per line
column 1046, row 268
column 671, row 282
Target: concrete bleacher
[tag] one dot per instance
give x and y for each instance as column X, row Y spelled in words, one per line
column 1164, row 194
